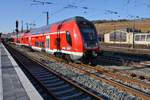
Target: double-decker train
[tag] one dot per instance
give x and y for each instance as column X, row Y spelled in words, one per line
column 74, row 38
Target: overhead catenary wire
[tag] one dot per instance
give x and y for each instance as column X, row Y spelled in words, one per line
column 77, row 4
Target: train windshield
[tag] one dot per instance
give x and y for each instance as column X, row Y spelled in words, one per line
column 88, row 34
column 88, row 31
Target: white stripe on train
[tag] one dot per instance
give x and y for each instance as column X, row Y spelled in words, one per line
column 55, row 50
column 62, row 32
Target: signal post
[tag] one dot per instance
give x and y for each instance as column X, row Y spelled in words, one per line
column 17, row 31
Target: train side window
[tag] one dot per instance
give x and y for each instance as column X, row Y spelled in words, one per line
column 68, row 37
column 148, row 37
column 143, row 37
column 36, row 43
column 124, row 37
column 113, row 36
column 47, row 43
column 41, row 44
column 137, row 38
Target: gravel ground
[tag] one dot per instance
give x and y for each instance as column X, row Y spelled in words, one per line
column 74, row 74
column 92, row 83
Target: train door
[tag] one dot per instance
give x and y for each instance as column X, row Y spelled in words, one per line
column 29, row 42
column 58, row 37
column 47, row 48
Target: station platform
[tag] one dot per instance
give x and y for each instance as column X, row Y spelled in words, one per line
column 14, row 85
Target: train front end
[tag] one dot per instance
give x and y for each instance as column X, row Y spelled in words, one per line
column 90, row 39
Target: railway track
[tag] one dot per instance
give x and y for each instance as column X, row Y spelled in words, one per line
column 122, row 58
column 54, row 85
column 134, row 62
column 109, row 73
column 96, row 73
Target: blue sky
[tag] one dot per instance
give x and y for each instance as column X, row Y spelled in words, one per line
column 12, row 10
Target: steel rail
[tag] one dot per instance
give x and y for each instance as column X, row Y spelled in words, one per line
column 116, row 84
column 120, row 86
column 118, row 76
column 93, row 95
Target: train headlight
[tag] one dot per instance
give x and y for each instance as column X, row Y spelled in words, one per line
column 96, row 44
column 94, row 53
column 85, row 44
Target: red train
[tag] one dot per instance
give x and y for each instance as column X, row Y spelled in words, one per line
column 75, row 38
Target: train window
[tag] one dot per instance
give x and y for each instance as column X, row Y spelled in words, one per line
column 137, row 37
column 124, row 36
column 148, row 38
column 113, row 36
column 36, row 43
column 47, row 43
column 118, row 36
column 68, row 37
column 143, row 37
column 41, row 44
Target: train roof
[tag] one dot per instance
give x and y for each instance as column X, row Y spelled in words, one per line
column 43, row 29
column 46, row 29
column 142, row 33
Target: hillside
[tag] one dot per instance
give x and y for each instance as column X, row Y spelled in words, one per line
column 104, row 27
